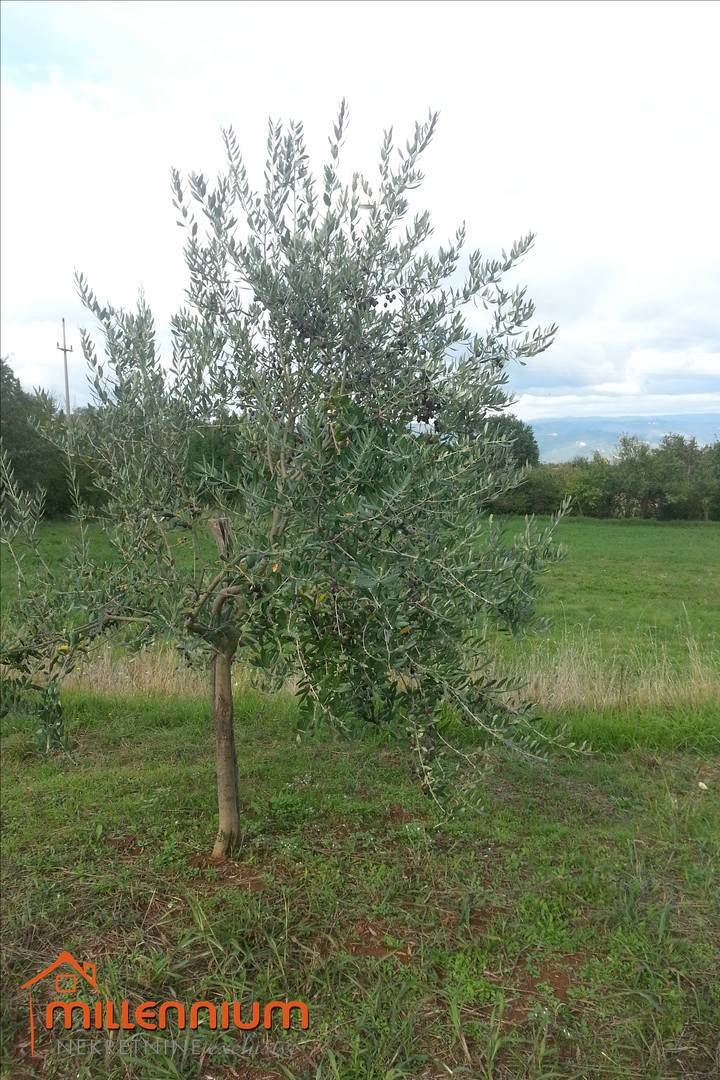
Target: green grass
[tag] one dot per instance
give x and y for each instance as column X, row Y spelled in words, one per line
column 634, row 636
column 628, row 581
column 560, row 921
column 551, row 922
column 653, row 728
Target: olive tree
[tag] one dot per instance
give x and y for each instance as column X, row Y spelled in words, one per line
column 352, row 546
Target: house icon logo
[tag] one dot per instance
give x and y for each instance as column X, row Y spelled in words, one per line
column 67, row 971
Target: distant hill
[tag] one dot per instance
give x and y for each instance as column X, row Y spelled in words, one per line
column 571, row 436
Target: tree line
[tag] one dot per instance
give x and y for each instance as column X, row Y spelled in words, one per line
column 677, row 480
column 26, row 421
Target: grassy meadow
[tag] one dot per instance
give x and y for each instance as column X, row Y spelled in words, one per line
column 540, row 922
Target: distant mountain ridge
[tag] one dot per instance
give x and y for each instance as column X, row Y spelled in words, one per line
column 562, row 439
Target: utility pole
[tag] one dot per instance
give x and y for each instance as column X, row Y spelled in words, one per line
column 65, row 349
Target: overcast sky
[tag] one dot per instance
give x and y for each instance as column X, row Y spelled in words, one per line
column 595, row 126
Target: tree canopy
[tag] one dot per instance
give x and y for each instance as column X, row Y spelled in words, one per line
column 343, row 364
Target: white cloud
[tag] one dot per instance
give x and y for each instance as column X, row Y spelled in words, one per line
column 555, row 406
column 692, row 361
column 591, row 124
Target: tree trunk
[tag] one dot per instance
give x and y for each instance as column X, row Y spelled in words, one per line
column 227, row 778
